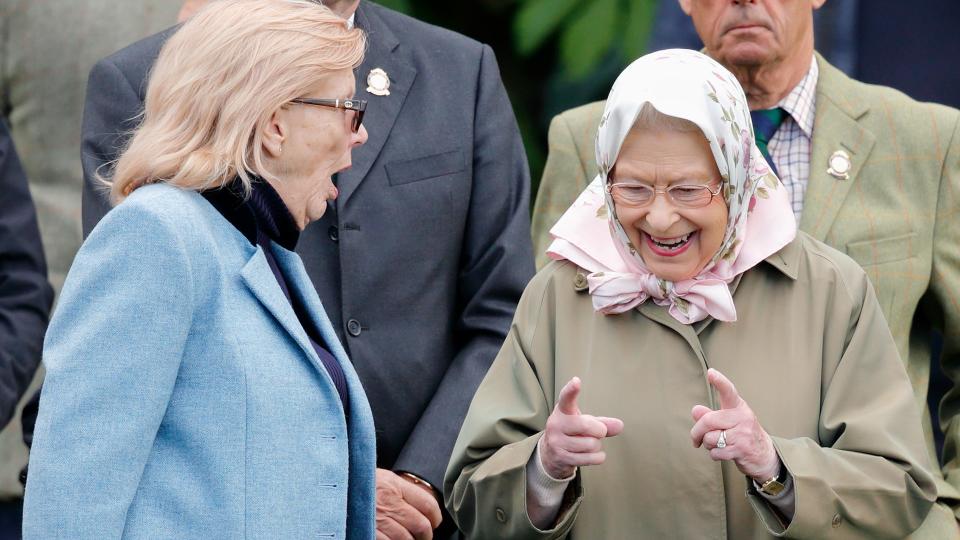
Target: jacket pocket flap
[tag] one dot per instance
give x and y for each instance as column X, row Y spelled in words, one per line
column 414, row 170
column 893, row 248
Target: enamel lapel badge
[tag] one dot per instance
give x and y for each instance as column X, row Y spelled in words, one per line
column 839, row 165
column 378, row 83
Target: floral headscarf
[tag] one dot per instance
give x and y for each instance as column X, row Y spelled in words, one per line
column 684, row 84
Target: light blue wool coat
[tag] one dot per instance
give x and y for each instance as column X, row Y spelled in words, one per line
column 183, row 398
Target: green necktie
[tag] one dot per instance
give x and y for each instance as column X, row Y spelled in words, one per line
column 765, row 124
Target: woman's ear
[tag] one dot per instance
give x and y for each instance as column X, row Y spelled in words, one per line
column 275, row 134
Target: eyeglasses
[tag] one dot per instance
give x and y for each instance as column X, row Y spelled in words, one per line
column 358, row 106
column 685, row 195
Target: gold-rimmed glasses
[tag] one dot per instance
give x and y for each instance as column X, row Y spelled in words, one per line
column 685, row 195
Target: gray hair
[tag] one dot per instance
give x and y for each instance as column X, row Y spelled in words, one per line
column 651, row 119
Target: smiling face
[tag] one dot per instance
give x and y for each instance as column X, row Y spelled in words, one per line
column 316, row 143
column 753, row 32
column 675, row 242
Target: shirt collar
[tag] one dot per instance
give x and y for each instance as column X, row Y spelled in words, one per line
column 801, row 102
column 351, row 20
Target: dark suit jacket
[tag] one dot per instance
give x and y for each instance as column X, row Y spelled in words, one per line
column 423, row 260
column 25, row 295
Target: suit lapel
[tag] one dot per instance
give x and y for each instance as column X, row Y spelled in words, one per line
column 382, row 111
column 836, row 128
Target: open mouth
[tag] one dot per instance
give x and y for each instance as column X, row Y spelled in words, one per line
column 670, row 247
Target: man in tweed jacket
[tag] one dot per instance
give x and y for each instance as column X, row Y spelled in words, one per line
column 879, row 178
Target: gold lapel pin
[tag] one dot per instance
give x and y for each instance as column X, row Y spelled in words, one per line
column 839, row 165
column 378, row 82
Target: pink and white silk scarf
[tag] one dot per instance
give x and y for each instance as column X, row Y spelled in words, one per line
column 684, row 84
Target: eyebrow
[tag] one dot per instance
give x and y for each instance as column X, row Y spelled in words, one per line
column 683, row 175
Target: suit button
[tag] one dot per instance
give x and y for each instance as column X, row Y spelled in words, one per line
column 353, row 327
column 334, row 233
column 836, row 521
column 501, row 515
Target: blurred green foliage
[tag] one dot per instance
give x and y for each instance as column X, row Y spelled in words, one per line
column 553, row 54
column 586, row 31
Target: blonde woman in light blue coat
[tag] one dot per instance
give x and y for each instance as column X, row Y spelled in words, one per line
column 195, row 386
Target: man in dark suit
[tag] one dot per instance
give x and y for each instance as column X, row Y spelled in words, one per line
column 25, row 298
column 423, row 260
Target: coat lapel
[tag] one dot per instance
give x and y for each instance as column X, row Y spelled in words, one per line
column 382, row 111
column 660, row 314
column 362, row 438
column 300, row 286
column 836, row 128
column 259, row 278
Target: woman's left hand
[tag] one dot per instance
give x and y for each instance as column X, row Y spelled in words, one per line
column 747, row 444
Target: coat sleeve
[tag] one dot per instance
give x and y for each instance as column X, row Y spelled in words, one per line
column 112, row 355
column 25, row 294
column 495, row 265
column 111, row 111
column 564, row 177
column 868, row 475
column 943, row 305
column 485, row 484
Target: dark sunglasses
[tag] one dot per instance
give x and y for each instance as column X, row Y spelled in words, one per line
column 358, row 106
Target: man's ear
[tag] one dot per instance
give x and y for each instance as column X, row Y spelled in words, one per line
column 685, row 6
column 274, row 134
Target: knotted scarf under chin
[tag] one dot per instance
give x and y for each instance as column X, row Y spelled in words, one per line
column 688, row 301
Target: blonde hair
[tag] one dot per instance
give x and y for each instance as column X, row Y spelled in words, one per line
column 218, row 81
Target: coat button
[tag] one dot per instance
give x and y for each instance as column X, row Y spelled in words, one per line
column 580, row 282
column 501, row 515
column 334, row 233
column 836, row 521
column 353, row 327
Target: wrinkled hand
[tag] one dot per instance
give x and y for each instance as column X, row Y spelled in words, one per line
column 189, row 8
column 405, row 510
column 572, row 439
column 748, row 445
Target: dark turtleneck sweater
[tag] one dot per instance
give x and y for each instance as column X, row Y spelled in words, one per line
column 262, row 218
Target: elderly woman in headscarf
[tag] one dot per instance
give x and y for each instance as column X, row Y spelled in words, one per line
column 745, row 367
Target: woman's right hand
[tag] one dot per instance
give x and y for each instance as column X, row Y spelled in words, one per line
column 572, row 439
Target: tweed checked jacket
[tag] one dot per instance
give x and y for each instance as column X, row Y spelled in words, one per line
column 897, row 215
